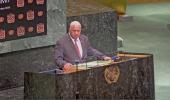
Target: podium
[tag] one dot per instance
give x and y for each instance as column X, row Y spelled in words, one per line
column 131, row 77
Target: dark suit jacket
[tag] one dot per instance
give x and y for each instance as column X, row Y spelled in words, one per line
column 65, row 51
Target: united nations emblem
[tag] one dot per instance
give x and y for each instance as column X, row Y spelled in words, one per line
column 111, row 74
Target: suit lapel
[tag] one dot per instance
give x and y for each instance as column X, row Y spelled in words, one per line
column 72, row 46
column 70, row 42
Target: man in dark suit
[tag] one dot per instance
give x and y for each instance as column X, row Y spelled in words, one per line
column 74, row 47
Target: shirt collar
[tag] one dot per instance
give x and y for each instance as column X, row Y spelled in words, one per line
column 74, row 39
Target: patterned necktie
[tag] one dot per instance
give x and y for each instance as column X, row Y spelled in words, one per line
column 77, row 48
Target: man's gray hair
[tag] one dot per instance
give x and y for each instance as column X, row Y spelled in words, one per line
column 75, row 23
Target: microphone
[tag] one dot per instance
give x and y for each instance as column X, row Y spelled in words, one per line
column 76, row 62
column 77, row 83
column 114, row 57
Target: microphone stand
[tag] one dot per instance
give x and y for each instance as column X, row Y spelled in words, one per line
column 77, row 90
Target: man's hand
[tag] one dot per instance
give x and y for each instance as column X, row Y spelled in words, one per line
column 107, row 58
column 67, row 67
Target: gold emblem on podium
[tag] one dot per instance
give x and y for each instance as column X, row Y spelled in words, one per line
column 40, row 1
column 30, row 15
column 10, row 18
column 20, row 31
column 2, row 34
column 40, row 28
column 20, row 3
column 111, row 74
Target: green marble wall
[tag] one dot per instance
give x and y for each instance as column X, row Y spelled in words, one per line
column 34, row 53
column 101, row 29
column 99, row 23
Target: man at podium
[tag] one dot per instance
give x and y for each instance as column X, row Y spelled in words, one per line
column 74, row 48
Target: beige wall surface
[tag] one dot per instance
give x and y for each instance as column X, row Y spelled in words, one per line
column 147, row 1
column 118, row 5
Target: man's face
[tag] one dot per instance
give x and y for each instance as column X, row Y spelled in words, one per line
column 75, row 31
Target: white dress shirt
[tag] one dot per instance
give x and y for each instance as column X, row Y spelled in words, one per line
column 79, row 45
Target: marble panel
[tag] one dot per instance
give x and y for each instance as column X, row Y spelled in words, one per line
column 100, row 28
column 34, row 53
